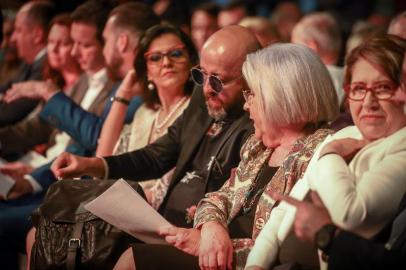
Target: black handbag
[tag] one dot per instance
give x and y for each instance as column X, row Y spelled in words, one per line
column 70, row 237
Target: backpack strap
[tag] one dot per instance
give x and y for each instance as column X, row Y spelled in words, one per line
column 74, row 245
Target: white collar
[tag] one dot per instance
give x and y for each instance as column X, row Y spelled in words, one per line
column 100, row 77
column 40, row 54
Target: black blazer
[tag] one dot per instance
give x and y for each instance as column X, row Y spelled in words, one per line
column 178, row 147
column 13, row 112
column 350, row 251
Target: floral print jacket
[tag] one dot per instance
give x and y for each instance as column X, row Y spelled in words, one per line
column 224, row 204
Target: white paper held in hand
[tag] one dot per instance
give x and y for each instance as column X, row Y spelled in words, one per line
column 123, row 207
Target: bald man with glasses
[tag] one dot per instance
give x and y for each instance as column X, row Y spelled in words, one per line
column 204, row 143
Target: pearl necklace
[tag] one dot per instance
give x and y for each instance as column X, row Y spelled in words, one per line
column 158, row 126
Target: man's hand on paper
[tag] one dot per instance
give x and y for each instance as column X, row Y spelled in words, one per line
column 187, row 240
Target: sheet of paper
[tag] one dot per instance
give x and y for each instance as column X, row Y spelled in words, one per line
column 6, row 182
column 123, row 207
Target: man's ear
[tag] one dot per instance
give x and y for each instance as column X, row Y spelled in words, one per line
column 39, row 35
column 122, row 42
column 312, row 44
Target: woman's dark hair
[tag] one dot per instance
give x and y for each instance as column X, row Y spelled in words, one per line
column 48, row 72
column 151, row 98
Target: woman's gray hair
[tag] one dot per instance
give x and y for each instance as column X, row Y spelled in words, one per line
column 291, row 85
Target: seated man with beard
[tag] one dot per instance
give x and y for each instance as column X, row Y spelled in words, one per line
column 204, row 142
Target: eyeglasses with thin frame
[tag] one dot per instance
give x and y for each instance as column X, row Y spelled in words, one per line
column 177, row 54
column 248, row 95
column 200, row 77
column 381, row 91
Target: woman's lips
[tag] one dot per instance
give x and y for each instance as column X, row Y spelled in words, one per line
column 168, row 73
column 371, row 117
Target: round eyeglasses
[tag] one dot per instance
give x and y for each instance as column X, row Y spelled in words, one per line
column 199, row 77
column 381, row 91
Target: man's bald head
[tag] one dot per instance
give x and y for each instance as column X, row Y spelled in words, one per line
column 232, row 43
column 222, row 56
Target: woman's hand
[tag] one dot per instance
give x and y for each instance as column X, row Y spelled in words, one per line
column 129, row 88
column 346, row 148
column 216, row 248
column 187, row 240
column 31, row 89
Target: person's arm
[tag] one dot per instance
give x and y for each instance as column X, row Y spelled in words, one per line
column 24, row 135
column 367, row 189
column 149, row 162
column 280, row 223
column 216, row 206
column 84, row 127
column 153, row 160
column 17, row 110
column 115, row 120
column 64, row 114
column 11, row 113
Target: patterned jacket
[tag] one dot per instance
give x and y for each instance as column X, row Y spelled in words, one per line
column 224, row 205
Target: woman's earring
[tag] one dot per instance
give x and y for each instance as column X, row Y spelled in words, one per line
column 150, row 86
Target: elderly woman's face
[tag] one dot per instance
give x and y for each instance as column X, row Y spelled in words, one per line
column 375, row 118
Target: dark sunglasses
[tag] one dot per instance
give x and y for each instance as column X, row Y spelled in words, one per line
column 199, row 77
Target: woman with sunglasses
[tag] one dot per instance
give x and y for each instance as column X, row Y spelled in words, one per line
column 164, row 58
column 359, row 171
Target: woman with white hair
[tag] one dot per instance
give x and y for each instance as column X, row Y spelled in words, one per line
column 288, row 106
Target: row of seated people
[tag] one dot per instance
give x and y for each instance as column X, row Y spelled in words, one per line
column 356, row 172
column 280, row 149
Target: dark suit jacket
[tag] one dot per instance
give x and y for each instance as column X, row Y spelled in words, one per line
column 350, row 251
column 178, row 147
column 11, row 113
